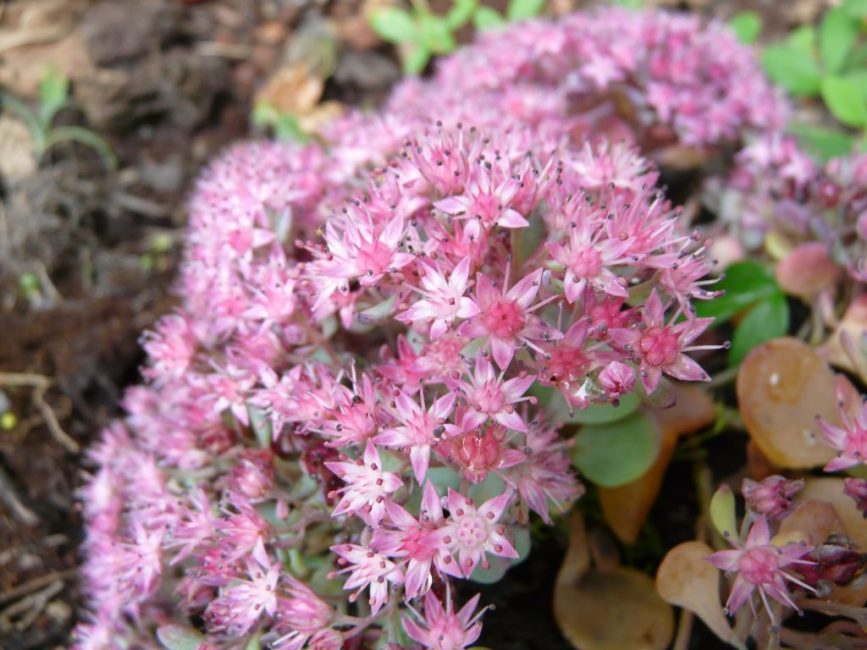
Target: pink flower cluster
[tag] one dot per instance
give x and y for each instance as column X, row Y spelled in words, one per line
column 776, row 186
column 339, row 423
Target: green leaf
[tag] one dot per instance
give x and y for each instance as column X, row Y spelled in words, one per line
column 629, row 4
column 618, row 452
column 844, row 100
column 415, row 59
column 603, row 413
column 859, row 78
column 857, row 8
column 823, row 143
column 747, row 25
column 487, row 18
column 838, row 32
column 497, row 566
column 436, row 35
column 461, row 13
column 803, row 39
column 793, row 69
column 768, row 320
column 526, row 241
column 261, row 425
column 394, row 25
column 522, row 9
column 722, row 512
column 745, row 283
column 53, row 94
column 176, row 637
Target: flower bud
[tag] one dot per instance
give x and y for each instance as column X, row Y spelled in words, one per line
column 771, row 497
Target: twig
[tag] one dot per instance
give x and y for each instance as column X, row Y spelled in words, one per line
column 34, row 584
column 40, row 384
column 53, row 425
column 32, row 605
column 8, row 495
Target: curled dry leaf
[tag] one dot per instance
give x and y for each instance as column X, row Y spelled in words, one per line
column 686, row 579
column 626, row 507
column 783, row 385
column 853, row 325
column 807, row 270
column 591, row 605
column 292, row 89
column 830, row 490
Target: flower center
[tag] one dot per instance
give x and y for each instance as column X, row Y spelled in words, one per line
column 586, row 263
column 503, row 319
column 659, row 346
column 472, row 531
column 759, row 565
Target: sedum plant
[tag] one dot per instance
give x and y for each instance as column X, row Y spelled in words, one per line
column 366, row 396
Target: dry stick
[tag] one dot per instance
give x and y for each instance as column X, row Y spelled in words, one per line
column 32, row 605
column 34, row 584
column 8, row 495
column 40, row 384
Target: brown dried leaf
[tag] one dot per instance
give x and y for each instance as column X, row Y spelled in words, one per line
column 590, row 606
column 292, row 89
column 686, row 579
column 783, row 385
column 807, row 270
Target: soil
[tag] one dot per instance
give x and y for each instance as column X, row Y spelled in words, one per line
column 89, row 255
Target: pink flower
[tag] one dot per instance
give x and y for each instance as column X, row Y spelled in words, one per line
column 850, row 440
column 442, row 628
column 760, row 565
column 367, row 486
column 856, row 489
column 303, row 613
column 358, row 248
column 418, row 429
column 444, row 299
column 473, row 532
column 617, row 379
column 367, row 568
column 505, row 316
column 486, row 201
column 589, row 256
column 772, row 497
column 238, row 607
column 418, row 542
column 546, row 474
column 488, row 396
column 660, row 348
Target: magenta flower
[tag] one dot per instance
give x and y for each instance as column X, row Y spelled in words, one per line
column 240, row 605
column 760, row 565
column 473, row 532
column 367, row 568
column 444, row 299
column 486, row 201
column 442, row 628
column 546, row 475
column 850, row 440
column 417, row 542
column 660, row 348
column 367, row 486
column 589, row 256
column 303, row 613
column 856, row 489
column 772, row 497
column 488, row 396
column 418, row 429
column 505, row 316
